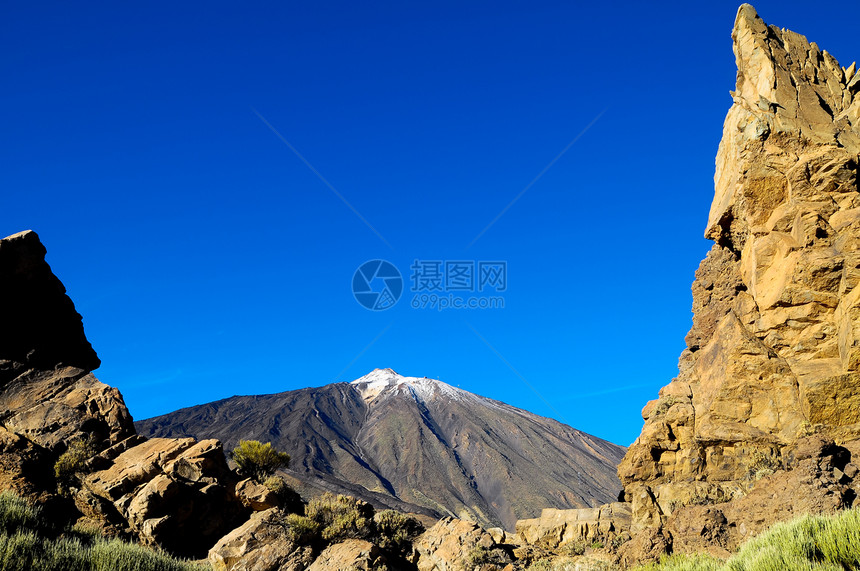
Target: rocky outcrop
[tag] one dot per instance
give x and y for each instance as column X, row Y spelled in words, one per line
column 773, row 355
column 41, row 328
column 47, row 393
column 48, row 397
column 556, row 528
column 178, row 493
column 260, row 544
column 174, row 493
column 447, row 545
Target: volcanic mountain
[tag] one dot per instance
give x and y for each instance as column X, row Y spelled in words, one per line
column 414, row 444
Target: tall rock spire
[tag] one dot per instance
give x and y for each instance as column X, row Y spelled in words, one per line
column 773, row 355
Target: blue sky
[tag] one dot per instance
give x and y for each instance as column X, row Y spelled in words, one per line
column 209, row 260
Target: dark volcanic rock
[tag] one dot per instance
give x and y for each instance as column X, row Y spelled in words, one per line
column 417, row 445
column 41, row 328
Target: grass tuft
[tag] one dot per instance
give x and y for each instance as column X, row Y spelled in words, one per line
column 29, row 541
column 808, row 543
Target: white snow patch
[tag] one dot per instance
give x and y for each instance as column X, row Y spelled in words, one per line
column 381, row 381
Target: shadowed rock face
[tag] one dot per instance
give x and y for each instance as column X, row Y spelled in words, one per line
column 47, row 394
column 774, row 350
column 41, row 328
column 178, row 494
column 416, row 444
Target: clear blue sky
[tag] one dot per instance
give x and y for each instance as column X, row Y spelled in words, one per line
column 208, row 260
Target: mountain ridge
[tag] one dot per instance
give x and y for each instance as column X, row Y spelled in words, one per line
column 417, row 444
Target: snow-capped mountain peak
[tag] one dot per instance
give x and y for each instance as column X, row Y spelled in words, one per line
column 378, row 381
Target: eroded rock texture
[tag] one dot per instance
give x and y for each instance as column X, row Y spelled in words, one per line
column 773, row 355
column 175, row 493
column 48, row 397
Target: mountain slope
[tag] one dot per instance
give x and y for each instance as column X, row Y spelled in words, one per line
column 415, row 444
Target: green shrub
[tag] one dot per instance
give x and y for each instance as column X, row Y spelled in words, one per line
column 29, row 541
column 73, row 460
column 302, row 530
column 290, row 500
column 809, row 542
column 762, row 464
column 18, row 515
column 814, row 543
column 116, row 555
column 482, row 556
column 395, row 531
column 573, row 548
column 257, row 460
column 342, row 517
column 684, row 563
column 88, row 532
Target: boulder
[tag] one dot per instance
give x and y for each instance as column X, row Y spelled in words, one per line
column 255, row 495
column 176, row 493
column 447, row 545
column 260, row 544
column 555, row 528
column 353, row 554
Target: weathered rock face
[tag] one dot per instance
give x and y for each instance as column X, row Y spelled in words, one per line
column 53, row 407
column 815, row 479
column 556, row 528
column 175, row 493
column 41, row 328
column 255, row 496
column 259, row 545
column 446, row 545
column 358, row 554
column 774, row 351
column 48, row 397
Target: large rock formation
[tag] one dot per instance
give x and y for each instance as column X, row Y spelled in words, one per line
column 48, row 397
column 773, row 355
column 417, row 445
column 175, row 493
